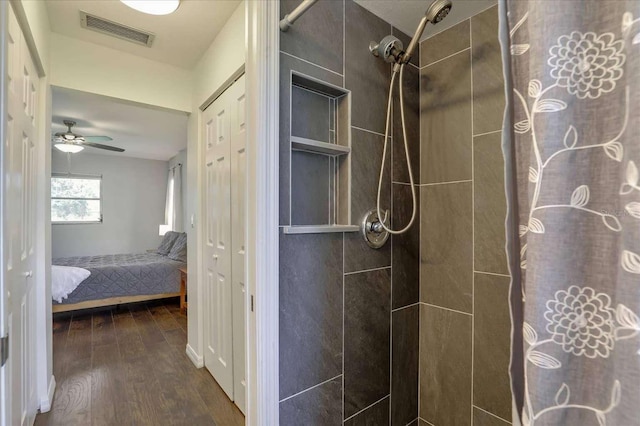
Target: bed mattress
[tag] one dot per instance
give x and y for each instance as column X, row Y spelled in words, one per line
column 119, row 275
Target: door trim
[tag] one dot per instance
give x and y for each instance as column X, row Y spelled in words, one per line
column 4, row 382
column 262, row 60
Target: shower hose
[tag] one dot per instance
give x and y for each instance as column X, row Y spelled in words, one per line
column 406, row 151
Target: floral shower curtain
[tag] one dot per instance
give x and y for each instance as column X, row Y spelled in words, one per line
column 572, row 151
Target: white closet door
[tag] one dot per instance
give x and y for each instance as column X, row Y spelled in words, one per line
column 218, row 357
column 236, row 103
column 18, row 193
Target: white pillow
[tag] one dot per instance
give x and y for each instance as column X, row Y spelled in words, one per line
column 65, row 279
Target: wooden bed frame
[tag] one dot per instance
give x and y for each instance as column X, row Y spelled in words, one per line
column 110, row 301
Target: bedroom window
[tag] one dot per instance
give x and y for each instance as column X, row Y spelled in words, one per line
column 76, row 199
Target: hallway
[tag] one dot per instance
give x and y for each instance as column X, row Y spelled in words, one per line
column 127, row 365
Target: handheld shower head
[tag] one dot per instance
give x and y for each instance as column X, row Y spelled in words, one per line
column 438, row 10
column 435, row 13
column 390, row 48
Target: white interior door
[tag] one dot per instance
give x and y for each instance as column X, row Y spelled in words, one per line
column 238, row 242
column 18, row 193
column 224, row 250
column 218, row 357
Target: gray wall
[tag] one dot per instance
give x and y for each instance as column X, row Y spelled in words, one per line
column 464, row 281
column 348, row 314
column 133, row 198
column 181, row 158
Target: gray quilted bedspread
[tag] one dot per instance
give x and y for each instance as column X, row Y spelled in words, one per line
column 118, row 275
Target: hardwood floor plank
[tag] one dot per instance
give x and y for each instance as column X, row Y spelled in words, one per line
column 144, row 397
column 128, row 366
column 174, row 310
column 129, row 340
column 147, row 327
column 106, row 382
column 176, row 338
column 163, row 318
column 104, row 332
column 72, row 400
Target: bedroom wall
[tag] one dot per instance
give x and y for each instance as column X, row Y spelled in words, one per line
column 133, row 199
column 181, row 158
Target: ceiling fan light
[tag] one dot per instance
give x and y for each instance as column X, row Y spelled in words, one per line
column 153, row 7
column 67, row 147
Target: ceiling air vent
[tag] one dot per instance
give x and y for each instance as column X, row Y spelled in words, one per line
column 115, row 29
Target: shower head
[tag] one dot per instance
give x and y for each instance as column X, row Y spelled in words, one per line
column 390, row 48
column 435, row 13
column 438, row 10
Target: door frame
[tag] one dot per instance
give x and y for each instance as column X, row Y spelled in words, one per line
column 43, row 368
column 4, row 379
column 262, row 273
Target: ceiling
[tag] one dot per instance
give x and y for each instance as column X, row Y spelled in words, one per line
column 406, row 14
column 180, row 38
column 143, row 131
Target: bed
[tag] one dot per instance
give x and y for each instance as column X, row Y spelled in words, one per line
column 121, row 278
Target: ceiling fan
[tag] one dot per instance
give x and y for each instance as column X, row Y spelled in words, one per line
column 72, row 142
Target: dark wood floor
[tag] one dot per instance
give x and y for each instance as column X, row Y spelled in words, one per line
column 127, row 366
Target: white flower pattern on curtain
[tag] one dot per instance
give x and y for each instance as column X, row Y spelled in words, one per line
column 579, row 323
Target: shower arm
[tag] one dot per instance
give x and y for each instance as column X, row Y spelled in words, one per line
column 290, row 18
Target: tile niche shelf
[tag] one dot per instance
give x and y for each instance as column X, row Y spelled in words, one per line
column 320, row 141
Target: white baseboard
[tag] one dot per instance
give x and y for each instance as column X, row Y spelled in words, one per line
column 196, row 359
column 45, row 404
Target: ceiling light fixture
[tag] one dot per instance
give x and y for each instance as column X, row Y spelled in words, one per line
column 153, row 7
column 67, row 147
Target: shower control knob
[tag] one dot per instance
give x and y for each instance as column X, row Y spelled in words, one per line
column 372, row 230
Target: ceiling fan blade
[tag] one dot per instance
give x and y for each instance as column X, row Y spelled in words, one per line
column 100, row 146
column 97, row 138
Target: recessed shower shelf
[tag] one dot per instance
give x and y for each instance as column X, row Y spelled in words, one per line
column 318, row 147
column 319, row 229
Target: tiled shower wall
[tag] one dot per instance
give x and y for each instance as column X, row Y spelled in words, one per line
column 464, row 313
column 349, row 315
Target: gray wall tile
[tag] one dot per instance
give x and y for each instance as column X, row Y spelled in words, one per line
column 365, row 75
column 377, row 415
column 405, row 248
column 310, row 177
column 288, row 63
column 317, row 34
column 445, row 43
column 411, row 85
column 320, row 406
column 405, row 333
column 445, row 367
column 445, row 120
column 310, row 115
column 490, row 205
column 367, row 327
column 448, row 239
column 480, row 418
column 488, row 83
column 311, row 299
column 492, row 336
column 447, row 246
column 366, row 157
